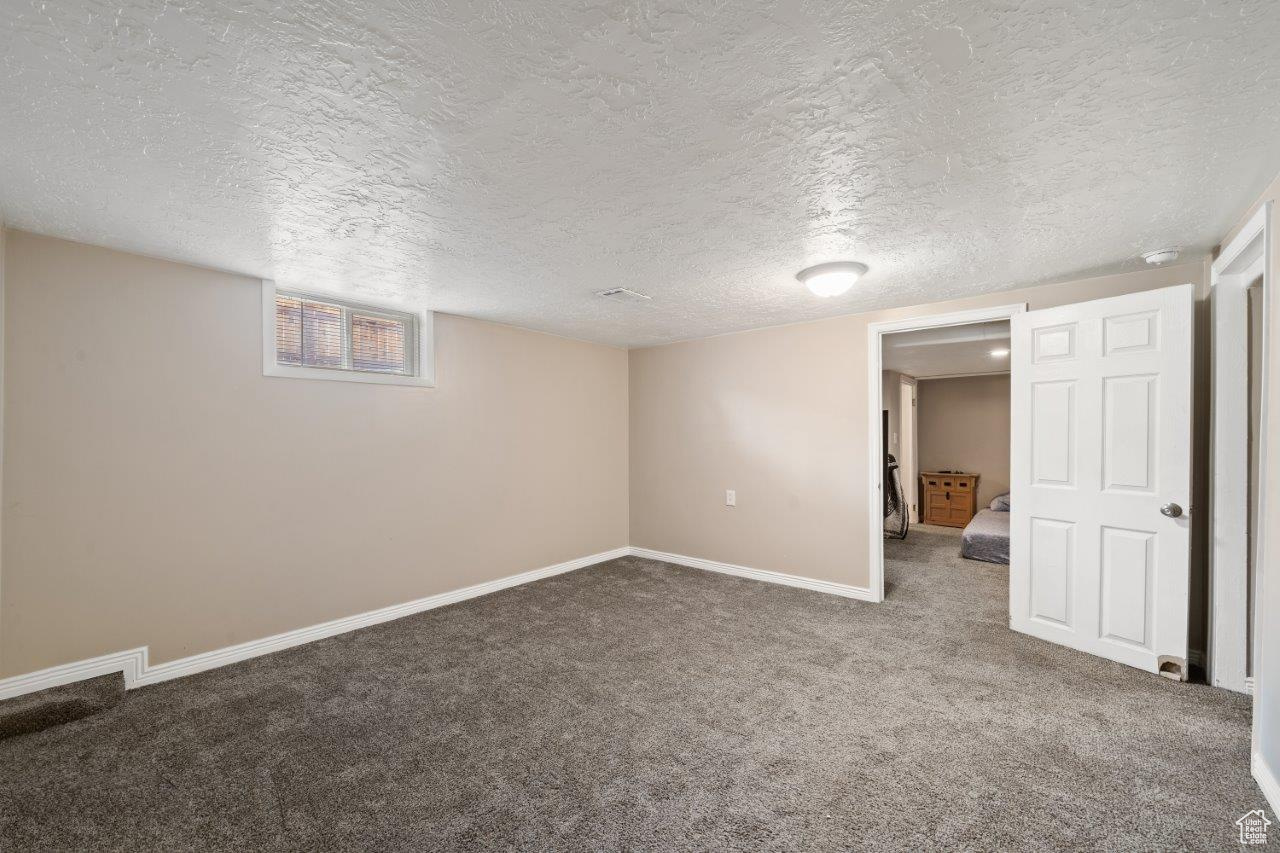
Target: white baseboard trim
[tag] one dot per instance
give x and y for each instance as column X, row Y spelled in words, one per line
column 859, row 592
column 1267, row 781
column 132, row 663
column 138, row 673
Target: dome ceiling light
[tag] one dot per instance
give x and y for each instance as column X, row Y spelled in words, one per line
column 1161, row 256
column 832, row 279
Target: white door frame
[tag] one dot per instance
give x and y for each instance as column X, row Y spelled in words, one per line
column 908, row 453
column 875, row 403
column 1242, row 262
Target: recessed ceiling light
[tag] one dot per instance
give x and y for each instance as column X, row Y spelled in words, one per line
column 1161, row 256
column 832, row 279
column 999, row 353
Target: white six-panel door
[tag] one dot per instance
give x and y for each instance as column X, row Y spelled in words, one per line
column 1101, row 427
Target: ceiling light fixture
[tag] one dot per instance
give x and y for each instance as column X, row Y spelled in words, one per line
column 999, row 353
column 832, row 279
column 1161, row 256
column 623, row 294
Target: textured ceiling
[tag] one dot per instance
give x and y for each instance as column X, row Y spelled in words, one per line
column 506, row 160
column 948, row 351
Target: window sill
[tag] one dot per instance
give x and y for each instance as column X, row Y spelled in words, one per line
column 293, row 372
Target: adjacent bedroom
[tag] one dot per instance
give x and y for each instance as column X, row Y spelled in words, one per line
column 945, row 433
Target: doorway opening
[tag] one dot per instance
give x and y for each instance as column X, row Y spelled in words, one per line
column 932, row 381
column 948, row 454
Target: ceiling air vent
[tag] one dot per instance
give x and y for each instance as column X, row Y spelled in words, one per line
column 622, row 294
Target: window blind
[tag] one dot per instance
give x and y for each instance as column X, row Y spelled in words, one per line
column 338, row 336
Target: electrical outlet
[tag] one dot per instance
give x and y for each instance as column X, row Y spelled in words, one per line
column 730, row 497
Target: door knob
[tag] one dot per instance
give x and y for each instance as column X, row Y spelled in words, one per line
column 1172, row 510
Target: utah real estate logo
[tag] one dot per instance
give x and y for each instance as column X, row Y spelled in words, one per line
column 1253, row 827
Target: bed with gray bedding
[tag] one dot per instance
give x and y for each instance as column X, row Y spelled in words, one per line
column 987, row 537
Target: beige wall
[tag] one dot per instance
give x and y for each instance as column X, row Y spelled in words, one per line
column 963, row 425
column 3, row 237
column 780, row 415
column 160, row 491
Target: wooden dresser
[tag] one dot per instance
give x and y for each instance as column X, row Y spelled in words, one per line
column 949, row 499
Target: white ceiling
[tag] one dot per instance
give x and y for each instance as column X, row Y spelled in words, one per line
column 948, row 351
column 507, row 159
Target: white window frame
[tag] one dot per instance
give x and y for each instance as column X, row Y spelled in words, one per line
column 422, row 350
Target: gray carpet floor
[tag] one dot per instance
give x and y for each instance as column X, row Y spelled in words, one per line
column 640, row 705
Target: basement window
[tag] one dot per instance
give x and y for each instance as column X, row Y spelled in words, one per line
column 319, row 337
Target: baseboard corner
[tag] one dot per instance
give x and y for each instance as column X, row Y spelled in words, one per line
column 130, row 664
column 857, row 593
